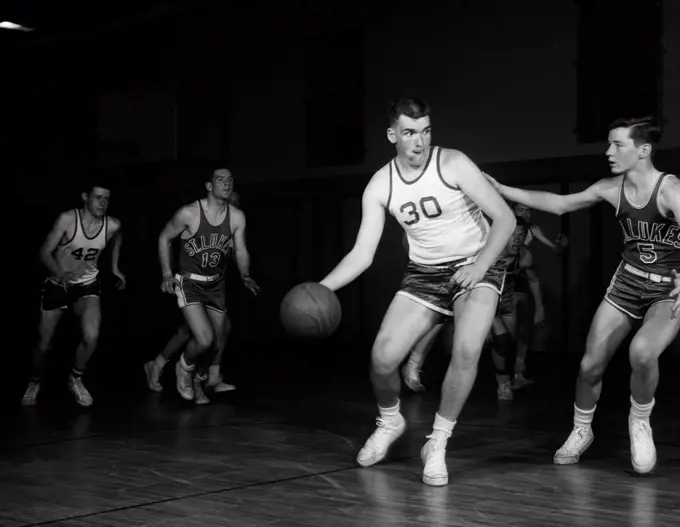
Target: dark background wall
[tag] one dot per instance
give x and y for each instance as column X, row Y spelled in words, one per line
column 293, row 98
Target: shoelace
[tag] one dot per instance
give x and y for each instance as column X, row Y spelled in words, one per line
column 576, row 436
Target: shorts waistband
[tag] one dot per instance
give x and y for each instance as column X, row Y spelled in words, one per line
column 201, row 277
column 649, row 276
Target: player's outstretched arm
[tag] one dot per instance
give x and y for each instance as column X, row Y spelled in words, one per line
column 361, row 256
column 603, row 190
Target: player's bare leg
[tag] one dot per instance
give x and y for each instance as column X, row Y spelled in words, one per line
column 201, row 340
column 607, row 331
column 651, row 340
column 215, row 381
column 154, row 368
column 474, row 312
column 404, row 324
column 503, row 332
column 88, row 310
column 414, row 365
column 49, row 320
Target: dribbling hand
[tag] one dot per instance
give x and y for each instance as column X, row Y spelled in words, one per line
column 169, row 284
column 675, row 309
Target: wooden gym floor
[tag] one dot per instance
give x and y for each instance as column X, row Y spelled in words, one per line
column 281, row 452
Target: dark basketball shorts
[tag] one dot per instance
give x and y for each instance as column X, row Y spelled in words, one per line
column 209, row 293
column 506, row 304
column 633, row 291
column 55, row 296
column 431, row 285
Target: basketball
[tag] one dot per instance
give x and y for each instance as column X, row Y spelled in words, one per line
column 310, row 310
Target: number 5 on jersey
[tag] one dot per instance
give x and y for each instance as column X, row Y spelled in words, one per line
column 647, row 253
column 90, row 255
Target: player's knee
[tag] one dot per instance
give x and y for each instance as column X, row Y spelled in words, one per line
column 385, row 354
column 44, row 345
column 90, row 336
column 591, row 370
column 204, row 339
column 466, row 353
column 642, row 353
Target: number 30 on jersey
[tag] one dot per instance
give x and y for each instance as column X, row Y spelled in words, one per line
column 427, row 206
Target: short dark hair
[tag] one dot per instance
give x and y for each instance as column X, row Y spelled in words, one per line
column 218, row 172
column 89, row 186
column 643, row 130
column 410, row 107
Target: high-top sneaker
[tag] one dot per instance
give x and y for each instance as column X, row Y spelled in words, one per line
column 199, row 395
column 217, row 384
column 577, row 443
column 411, row 375
column 153, row 373
column 433, row 455
column 504, row 391
column 77, row 388
column 388, row 431
column 31, row 394
column 642, row 449
column 184, row 382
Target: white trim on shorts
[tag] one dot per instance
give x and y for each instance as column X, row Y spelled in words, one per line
column 182, row 298
column 425, row 303
column 610, row 301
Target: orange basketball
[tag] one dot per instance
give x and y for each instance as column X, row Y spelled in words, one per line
column 310, row 310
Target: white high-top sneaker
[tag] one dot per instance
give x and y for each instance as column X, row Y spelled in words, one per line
column 31, row 394
column 577, row 443
column 642, row 449
column 433, row 455
column 83, row 397
column 375, row 449
column 184, row 382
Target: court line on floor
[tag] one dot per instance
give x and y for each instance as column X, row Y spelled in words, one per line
column 354, row 466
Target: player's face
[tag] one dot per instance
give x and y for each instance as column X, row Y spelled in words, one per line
column 222, row 185
column 97, row 201
column 622, row 153
column 523, row 212
column 412, row 138
column 517, row 239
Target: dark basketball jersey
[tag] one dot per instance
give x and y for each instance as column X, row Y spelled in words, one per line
column 651, row 240
column 206, row 252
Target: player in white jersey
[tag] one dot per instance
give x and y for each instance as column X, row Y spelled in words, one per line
column 438, row 196
column 71, row 252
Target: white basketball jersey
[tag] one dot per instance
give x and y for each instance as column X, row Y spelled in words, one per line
column 442, row 224
column 81, row 253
